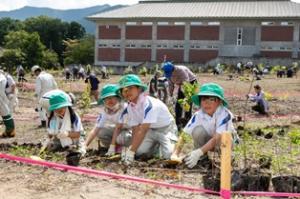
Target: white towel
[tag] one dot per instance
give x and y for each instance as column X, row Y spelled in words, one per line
column 65, row 127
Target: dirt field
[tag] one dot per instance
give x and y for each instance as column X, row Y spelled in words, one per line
column 21, row 181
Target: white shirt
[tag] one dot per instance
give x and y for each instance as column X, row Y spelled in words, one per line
column 220, row 122
column 106, row 120
column 149, row 110
column 259, row 98
column 44, row 83
column 81, row 70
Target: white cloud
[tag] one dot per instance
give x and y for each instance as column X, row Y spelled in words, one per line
column 69, row 4
column 12, row 4
column 64, row 4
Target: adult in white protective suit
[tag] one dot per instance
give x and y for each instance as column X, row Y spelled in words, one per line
column 11, row 91
column 44, row 83
column 5, row 111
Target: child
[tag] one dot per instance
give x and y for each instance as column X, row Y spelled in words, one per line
column 44, row 101
column 109, row 129
column 261, row 104
column 64, row 125
column 207, row 124
column 149, row 118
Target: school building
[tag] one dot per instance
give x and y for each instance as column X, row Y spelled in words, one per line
column 197, row 31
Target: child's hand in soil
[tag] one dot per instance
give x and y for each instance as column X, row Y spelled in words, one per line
column 193, row 158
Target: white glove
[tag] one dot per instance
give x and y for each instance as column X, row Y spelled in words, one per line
column 127, row 155
column 63, row 135
column 112, row 150
column 193, row 158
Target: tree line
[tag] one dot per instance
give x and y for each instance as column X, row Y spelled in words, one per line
column 48, row 42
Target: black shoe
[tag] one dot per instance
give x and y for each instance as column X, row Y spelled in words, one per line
column 43, row 124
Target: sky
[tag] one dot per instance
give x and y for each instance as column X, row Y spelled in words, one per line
column 6, row 5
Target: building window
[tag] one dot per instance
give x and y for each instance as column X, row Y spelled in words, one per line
column 239, row 36
column 147, row 23
column 267, row 23
column 286, row 23
column 178, row 46
column 214, row 23
column 179, row 23
column 145, row 46
column 196, row 23
column 163, row 23
column 130, row 46
column 116, row 45
column 131, row 23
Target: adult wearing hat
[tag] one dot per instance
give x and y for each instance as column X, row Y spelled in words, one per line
column 207, row 124
column 64, row 125
column 150, row 119
column 112, row 132
column 5, row 110
column 178, row 75
column 44, row 83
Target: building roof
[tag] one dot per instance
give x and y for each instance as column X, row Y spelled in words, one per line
column 204, row 9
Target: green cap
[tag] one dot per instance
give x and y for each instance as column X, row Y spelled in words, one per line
column 108, row 90
column 210, row 89
column 58, row 101
column 131, row 80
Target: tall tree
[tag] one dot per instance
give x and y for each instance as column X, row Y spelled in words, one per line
column 80, row 51
column 29, row 44
column 54, row 31
column 75, row 31
column 11, row 58
column 7, row 25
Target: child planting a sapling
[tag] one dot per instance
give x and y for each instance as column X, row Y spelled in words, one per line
column 111, row 131
column 65, row 129
column 261, row 106
column 207, row 124
column 151, row 122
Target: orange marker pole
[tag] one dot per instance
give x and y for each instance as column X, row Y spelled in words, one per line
column 226, row 143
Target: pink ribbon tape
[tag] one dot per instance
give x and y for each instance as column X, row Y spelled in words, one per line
column 225, row 194
column 86, row 171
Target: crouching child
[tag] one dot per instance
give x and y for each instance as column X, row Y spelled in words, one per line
column 207, row 124
column 112, row 132
column 152, row 124
column 65, row 130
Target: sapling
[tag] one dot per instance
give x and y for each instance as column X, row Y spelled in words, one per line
column 143, row 71
column 188, row 90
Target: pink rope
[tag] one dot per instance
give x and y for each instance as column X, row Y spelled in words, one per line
column 102, row 173
column 86, row 171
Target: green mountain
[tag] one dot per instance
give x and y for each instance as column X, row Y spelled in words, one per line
column 77, row 15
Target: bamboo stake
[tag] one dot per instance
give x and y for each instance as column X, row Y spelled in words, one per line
column 226, row 165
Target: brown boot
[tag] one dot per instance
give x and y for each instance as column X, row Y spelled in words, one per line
column 10, row 134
